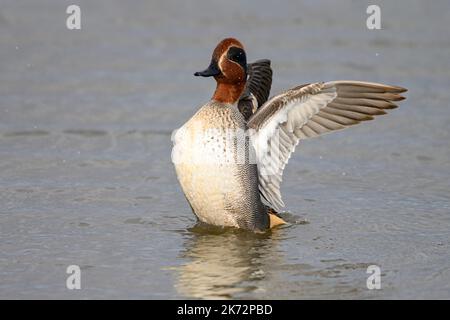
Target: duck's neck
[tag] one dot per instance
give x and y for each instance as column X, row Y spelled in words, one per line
column 228, row 92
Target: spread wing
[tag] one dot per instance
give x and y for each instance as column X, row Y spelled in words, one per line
column 257, row 89
column 308, row 111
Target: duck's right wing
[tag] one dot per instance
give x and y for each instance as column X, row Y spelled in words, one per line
column 309, row 111
column 257, row 89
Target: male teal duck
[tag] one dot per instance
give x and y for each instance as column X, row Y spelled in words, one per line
column 230, row 156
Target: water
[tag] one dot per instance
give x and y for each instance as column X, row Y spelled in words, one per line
column 85, row 172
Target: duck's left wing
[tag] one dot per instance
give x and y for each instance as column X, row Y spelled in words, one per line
column 309, row 111
column 257, row 89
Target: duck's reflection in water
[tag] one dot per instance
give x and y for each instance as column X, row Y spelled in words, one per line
column 224, row 263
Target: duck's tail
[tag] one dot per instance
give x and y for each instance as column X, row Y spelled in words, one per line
column 274, row 218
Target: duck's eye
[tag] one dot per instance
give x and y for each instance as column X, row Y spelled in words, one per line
column 237, row 55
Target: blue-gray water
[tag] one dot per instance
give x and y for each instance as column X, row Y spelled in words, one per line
column 85, row 171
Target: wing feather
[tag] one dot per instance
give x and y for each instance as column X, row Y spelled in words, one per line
column 257, row 89
column 308, row 111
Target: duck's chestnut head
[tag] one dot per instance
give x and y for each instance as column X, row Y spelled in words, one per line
column 228, row 63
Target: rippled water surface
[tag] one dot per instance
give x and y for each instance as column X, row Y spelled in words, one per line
column 86, row 178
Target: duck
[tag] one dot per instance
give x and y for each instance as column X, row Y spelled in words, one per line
column 230, row 156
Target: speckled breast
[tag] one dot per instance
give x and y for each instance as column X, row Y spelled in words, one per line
column 211, row 158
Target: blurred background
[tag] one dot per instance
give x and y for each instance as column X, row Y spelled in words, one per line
column 86, row 179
